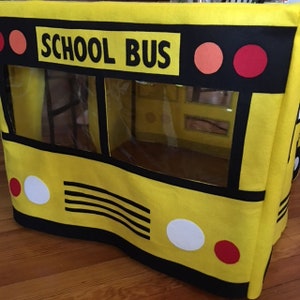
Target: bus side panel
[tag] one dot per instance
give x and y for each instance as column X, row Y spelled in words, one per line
column 154, row 217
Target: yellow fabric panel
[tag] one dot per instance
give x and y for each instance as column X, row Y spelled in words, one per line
column 191, row 13
column 168, row 204
column 259, row 143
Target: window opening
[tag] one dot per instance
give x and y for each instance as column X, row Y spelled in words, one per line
column 173, row 134
column 55, row 107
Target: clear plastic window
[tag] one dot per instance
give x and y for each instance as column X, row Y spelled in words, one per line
column 166, row 128
column 55, row 107
column 159, row 127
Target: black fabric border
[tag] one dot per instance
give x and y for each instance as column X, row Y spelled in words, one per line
column 278, row 41
column 239, row 135
column 251, row 196
column 5, row 100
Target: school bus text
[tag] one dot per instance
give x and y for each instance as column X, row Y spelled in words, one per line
column 147, row 52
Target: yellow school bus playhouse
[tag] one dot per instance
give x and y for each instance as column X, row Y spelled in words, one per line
column 169, row 130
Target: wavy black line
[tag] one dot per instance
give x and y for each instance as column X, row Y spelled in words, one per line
column 78, row 202
column 282, row 212
column 283, row 206
column 100, row 190
column 286, row 199
column 104, row 200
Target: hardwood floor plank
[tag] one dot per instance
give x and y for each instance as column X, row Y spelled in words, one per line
column 99, row 280
column 288, row 290
column 283, row 271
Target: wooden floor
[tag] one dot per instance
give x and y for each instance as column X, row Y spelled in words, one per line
column 35, row 265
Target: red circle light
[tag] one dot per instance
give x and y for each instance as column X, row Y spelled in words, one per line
column 1, row 42
column 227, row 252
column 250, row 61
column 208, row 58
column 15, row 187
column 18, row 42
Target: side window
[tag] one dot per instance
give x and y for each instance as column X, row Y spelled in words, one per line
column 54, row 107
column 168, row 129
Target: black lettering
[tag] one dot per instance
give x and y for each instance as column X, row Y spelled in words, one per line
column 149, row 62
column 107, row 59
column 161, row 50
column 132, row 56
column 94, row 49
column 80, row 48
column 54, row 46
column 45, row 39
column 67, row 48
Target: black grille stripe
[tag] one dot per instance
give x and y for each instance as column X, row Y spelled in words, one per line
column 83, row 198
column 107, row 209
column 103, row 191
column 283, row 208
column 104, row 200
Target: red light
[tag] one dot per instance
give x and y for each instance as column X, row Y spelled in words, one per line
column 227, row 252
column 15, row 187
column 208, row 58
column 18, row 42
column 250, row 61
